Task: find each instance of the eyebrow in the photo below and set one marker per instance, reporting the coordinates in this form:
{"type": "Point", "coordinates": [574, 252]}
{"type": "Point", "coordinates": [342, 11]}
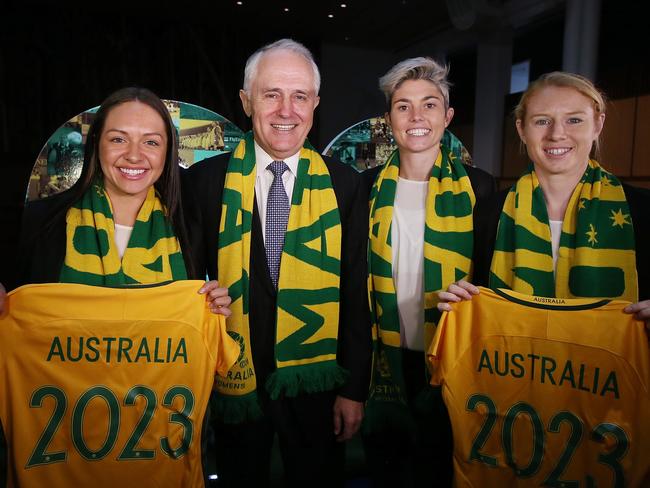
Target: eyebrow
{"type": "Point", "coordinates": [428, 97]}
{"type": "Point", "coordinates": [299, 90]}
{"type": "Point", "coordinates": [126, 133]}
{"type": "Point", "coordinates": [576, 112]}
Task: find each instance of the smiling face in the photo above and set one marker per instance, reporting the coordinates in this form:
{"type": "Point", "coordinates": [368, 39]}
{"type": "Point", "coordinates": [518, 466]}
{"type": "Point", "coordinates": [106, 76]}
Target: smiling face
{"type": "Point", "coordinates": [281, 103]}
{"type": "Point", "coordinates": [132, 149]}
{"type": "Point", "coordinates": [559, 129]}
{"type": "Point", "coordinates": [418, 117]}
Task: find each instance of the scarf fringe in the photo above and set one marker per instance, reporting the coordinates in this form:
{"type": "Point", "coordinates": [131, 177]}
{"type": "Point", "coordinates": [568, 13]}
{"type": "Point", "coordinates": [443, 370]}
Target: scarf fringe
{"type": "Point", "coordinates": [310, 378]}
{"type": "Point", "coordinates": [237, 409]}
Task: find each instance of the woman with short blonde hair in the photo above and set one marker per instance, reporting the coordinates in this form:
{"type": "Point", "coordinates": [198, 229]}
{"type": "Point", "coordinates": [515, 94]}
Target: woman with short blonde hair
{"type": "Point", "coordinates": [421, 239]}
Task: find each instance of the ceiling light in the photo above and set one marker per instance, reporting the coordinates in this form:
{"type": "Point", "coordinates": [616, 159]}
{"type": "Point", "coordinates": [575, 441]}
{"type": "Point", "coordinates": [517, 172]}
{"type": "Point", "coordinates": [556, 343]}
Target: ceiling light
{"type": "Point", "coordinates": [239, 3]}
{"type": "Point", "coordinates": [343, 5]}
{"type": "Point", "coordinates": [286, 9]}
{"type": "Point", "coordinates": [331, 16]}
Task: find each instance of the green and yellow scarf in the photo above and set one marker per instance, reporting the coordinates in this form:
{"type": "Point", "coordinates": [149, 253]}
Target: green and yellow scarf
{"type": "Point", "coordinates": [596, 257]}
{"type": "Point", "coordinates": [448, 241]}
{"type": "Point", "coordinates": [153, 254]}
{"type": "Point", "coordinates": [307, 317]}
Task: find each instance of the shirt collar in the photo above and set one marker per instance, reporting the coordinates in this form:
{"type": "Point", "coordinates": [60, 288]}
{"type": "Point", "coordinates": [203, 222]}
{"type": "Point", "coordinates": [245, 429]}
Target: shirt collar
{"type": "Point", "coordinates": [262, 160]}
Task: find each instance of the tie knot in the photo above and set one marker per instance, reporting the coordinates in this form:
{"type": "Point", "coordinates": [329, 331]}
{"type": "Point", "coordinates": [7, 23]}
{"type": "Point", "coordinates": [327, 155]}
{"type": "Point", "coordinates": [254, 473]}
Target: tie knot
{"type": "Point", "coordinates": [278, 168]}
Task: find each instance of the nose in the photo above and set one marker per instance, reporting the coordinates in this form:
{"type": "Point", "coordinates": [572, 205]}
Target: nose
{"type": "Point", "coordinates": [416, 114]}
{"type": "Point", "coordinates": [557, 131]}
{"type": "Point", "coordinates": [285, 107]}
{"type": "Point", "coordinates": [133, 154]}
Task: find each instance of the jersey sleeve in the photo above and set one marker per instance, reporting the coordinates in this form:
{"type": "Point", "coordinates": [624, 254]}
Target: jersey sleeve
{"type": "Point", "coordinates": [228, 350]}
{"type": "Point", "coordinates": [435, 350]}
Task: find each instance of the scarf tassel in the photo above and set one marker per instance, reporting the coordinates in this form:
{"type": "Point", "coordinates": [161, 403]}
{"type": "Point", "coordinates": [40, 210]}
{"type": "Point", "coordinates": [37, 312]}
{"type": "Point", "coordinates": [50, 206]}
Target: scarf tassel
{"type": "Point", "coordinates": [232, 409]}
{"type": "Point", "coordinates": [309, 378]}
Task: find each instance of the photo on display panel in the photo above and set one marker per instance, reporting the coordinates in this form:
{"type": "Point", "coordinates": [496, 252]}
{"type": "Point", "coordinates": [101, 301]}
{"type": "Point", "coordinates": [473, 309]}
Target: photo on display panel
{"type": "Point", "coordinates": [370, 143]}
{"type": "Point", "coordinates": [202, 134]}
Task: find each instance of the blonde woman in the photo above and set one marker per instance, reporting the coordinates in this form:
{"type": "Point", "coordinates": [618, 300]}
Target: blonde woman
{"type": "Point", "coordinates": [421, 239]}
{"type": "Point", "coordinates": [559, 119]}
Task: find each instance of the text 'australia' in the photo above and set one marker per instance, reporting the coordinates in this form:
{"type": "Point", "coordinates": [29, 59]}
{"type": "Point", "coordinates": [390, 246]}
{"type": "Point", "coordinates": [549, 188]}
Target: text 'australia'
{"type": "Point", "coordinates": [118, 349]}
{"type": "Point", "coordinates": [549, 370]}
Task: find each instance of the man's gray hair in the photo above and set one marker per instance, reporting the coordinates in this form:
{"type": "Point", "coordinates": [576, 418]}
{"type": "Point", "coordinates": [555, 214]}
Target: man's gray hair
{"type": "Point", "coordinates": [416, 69]}
{"type": "Point", "coordinates": [250, 71]}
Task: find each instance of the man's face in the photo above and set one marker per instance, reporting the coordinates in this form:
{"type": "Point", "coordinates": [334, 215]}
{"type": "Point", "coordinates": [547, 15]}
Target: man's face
{"type": "Point", "coordinates": [281, 103]}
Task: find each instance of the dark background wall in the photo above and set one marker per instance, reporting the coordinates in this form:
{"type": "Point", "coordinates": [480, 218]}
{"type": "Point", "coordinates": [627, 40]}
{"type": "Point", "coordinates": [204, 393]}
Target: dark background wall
{"type": "Point", "coordinates": [58, 58]}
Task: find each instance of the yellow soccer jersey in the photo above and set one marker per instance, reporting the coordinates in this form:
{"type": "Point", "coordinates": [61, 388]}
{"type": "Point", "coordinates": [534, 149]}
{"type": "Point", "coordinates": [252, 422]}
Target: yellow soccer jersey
{"type": "Point", "coordinates": [545, 391]}
{"type": "Point", "coordinates": [106, 387]}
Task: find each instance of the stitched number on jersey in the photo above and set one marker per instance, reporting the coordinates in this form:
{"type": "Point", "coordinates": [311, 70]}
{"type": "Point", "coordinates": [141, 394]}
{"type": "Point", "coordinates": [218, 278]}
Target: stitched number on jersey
{"type": "Point", "coordinates": [613, 457]}
{"type": "Point", "coordinates": [78, 422]}
{"type": "Point", "coordinates": [182, 418]}
{"type": "Point", "coordinates": [515, 411]}
{"type": "Point", "coordinates": [575, 423]}
{"type": "Point", "coordinates": [129, 451]}
{"type": "Point", "coordinates": [40, 455]}
{"type": "Point", "coordinates": [603, 433]}
{"type": "Point", "coordinates": [484, 433]}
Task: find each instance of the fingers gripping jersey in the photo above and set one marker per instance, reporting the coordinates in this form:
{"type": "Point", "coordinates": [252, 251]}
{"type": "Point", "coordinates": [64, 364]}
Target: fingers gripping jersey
{"type": "Point", "coordinates": [108, 387]}
{"type": "Point", "coordinates": [545, 391]}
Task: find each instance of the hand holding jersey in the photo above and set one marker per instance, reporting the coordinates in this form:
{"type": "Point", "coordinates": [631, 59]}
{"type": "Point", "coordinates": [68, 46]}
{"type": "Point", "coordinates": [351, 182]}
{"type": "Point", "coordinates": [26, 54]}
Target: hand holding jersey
{"type": "Point", "coordinates": [217, 297]}
{"type": "Point", "coordinates": [641, 311]}
{"type": "Point", "coordinates": [111, 384]}
{"type": "Point", "coordinates": [545, 391]}
{"type": "Point", "coordinates": [455, 292]}
{"type": "Point", "coordinates": [564, 230]}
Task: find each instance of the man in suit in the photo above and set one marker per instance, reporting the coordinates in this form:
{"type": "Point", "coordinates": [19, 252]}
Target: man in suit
{"type": "Point", "coordinates": [311, 418]}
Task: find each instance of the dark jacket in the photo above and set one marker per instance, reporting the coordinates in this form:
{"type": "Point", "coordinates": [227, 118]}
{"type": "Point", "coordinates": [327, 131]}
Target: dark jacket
{"type": "Point", "coordinates": [43, 239]}
{"type": "Point", "coordinates": [202, 193]}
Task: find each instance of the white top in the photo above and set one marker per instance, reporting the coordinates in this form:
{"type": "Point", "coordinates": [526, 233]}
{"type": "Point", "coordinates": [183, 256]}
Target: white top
{"type": "Point", "coordinates": [264, 180]}
{"type": "Point", "coordinates": [122, 236]}
{"type": "Point", "coordinates": [407, 239]}
{"type": "Point", "coordinates": [556, 232]}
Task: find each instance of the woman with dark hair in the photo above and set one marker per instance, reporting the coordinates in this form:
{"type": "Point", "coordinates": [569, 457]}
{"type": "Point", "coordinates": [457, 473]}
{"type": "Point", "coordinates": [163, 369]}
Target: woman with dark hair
{"type": "Point", "coordinates": [122, 222]}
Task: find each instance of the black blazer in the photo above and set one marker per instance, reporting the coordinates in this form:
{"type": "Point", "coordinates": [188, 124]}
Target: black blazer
{"type": "Point", "coordinates": [486, 221]}
{"type": "Point", "coordinates": [43, 240]}
{"type": "Point", "coordinates": [202, 194]}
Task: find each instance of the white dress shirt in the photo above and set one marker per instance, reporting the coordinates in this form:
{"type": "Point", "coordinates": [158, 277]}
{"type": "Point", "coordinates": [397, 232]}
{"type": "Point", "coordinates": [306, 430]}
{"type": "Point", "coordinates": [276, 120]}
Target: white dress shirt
{"type": "Point", "coordinates": [264, 180]}
{"type": "Point", "coordinates": [407, 243]}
